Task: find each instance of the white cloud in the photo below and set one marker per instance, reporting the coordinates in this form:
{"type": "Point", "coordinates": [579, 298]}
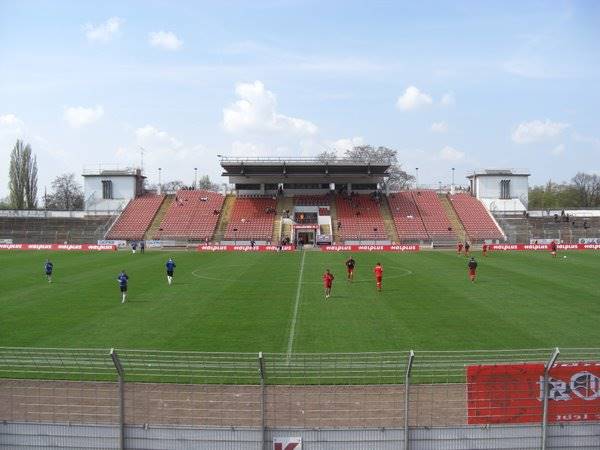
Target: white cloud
{"type": "Point", "coordinates": [155, 140]}
{"type": "Point", "coordinates": [78, 116]}
{"type": "Point", "coordinates": [256, 111]}
{"type": "Point", "coordinates": [104, 31]}
{"type": "Point", "coordinates": [558, 150]}
{"type": "Point", "coordinates": [536, 130]}
{"type": "Point", "coordinates": [413, 98]}
{"type": "Point", "coordinates": [439, 127]}
{"type": "Point", "coordinates": [11, 124]}
{"type": "Point", "coordinates": [448, 99]}
{"type": "Point", "coordinates": [341, 145]}
{"type": "Point", "coordinates": [165, 40]}
{"type": "Point", "coordinates": [450, 154]}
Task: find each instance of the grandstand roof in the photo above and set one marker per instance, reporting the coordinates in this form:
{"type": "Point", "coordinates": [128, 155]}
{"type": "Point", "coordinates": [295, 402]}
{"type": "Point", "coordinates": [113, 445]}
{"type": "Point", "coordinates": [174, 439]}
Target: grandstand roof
{"type": "Point", "coordinates": [301, 166]}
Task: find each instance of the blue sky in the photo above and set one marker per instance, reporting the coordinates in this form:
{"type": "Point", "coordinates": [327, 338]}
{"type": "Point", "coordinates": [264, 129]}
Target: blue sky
{"type": "Point", "coordinates": [448, 84]}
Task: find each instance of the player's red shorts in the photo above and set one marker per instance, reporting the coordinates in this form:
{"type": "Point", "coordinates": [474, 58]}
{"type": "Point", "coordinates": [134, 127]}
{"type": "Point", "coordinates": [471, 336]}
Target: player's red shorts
{"type": "Point", "coordinates": [327, 285]}
{"type": "Point", "coordinates": [378, 279]}
{"type": "Point", "coordinates": [472, 272]}
{"type": "Point", "coordinates": [350, 269]}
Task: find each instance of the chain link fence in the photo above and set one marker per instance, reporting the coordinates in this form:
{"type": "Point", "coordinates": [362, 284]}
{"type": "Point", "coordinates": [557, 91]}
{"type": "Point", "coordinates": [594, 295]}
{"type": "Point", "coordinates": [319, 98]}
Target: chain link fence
{"type": "Point", "coordinates": [116, 399]}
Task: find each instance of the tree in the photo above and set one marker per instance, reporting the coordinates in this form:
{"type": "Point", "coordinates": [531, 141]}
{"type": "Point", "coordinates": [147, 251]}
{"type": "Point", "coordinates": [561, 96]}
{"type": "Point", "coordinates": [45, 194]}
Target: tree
{"type": "Point", "coordinates": [22, 174]}
{"type": "Point", "coordinates": [588, 188]}
{"type": "Point", "coordinates": [398, 179]}
{"type": "Point", "coordinates": [171, 186]}
{"type": "Point", "coordinates": [205, 183]}
{"type": "Point", "coordinates": [67, 194]}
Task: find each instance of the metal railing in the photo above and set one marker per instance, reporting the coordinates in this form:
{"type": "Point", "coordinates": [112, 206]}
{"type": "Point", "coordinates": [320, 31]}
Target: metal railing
{"type": "Point", "coordinates": [408, 391]}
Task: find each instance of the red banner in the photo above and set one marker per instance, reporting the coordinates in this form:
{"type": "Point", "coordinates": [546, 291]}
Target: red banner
{"type": "Point", "coordinates": [244, 248]}
{"type": "Point", "coordinates": [370, 248]}
{"type": "Point", "coordinates": [527, 247]}
{"type": "Point", "coordinates": [61, 247]}
{"type": "Point", "coordinates": [513, 393]}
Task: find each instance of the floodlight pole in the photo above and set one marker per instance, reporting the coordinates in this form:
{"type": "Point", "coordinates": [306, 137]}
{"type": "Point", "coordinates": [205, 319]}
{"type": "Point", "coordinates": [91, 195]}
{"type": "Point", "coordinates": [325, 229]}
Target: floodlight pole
{"type": "Point", "coordinates": [121, 374]}
{"type": "Point", "coordinates": [411, 357]}
{"type": "Point", "coordinates": [547, 368]}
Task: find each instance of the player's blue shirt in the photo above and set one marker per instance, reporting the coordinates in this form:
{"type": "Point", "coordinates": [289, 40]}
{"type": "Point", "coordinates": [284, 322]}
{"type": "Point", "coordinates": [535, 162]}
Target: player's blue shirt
{"type": "Point", "coordinates": [170, 265]}
{"type": "Point", "coordinates": [122, 279]}
{"type": "Point", "coordinates": [48, 266]}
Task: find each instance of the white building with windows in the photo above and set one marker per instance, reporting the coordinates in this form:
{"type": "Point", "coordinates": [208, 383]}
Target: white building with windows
{"type": "Point", "coordinates": [110, 189]}
{"type": "Point", "coordinates": [501, 190]}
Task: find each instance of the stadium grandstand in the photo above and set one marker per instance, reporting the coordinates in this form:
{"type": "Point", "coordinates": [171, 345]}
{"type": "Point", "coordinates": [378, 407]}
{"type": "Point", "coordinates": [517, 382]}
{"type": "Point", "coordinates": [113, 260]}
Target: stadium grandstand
{"type": "Point", "coordinates": [305, 201]}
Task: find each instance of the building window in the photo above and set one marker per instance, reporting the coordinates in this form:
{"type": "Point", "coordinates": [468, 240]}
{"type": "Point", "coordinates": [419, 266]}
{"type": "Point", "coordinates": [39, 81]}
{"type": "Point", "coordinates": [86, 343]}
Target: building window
{"type": "Point", "coordinates": [505, 189]}
{"type": "Point", "coordinates": [107, 190]}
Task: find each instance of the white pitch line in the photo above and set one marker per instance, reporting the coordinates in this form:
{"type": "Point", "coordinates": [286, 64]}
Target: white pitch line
{"type": "Point", "coordinates": [296, 305]}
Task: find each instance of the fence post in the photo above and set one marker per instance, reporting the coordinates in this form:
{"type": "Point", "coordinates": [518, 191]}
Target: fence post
{"type": "Point", "coordinates": [411, 357]}
{"type": "Point", "coordinates": [261, 372]}
{"type": "Point", "coordinates": [547, 368]}
{"type": "Point", "coordinates": [121, 373]}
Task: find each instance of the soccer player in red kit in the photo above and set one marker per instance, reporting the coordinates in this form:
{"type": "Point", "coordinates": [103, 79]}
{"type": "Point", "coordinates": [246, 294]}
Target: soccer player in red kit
{"type": "Point", "coordinates": [459, 248]}
{"type": "Point", "coordinates": [378, 275]}
{"type": "Point", "coordinates": [327, 283]}
{"type": "Point", "coordinates": [553, 247]}
{"type": "Point", "coordinates": [484, 249]}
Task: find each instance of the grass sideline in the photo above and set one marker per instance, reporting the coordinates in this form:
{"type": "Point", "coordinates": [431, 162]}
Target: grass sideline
{"type": "Point", "coordinates": [244, 302]}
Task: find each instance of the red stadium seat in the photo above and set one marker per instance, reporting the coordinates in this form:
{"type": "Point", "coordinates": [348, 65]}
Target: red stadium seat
{"type": "Point", "coordinates": [250, 219]}
{"type": "Point", "coordinates": [407, 218]}
{"type": "Point", "coordinates": [475, 217]}
{"type": "Point", "coordinates": [136, 218]}
{"type": "Point", "coordinates": [360, 219]}
{"type": "Point", "coordinates": [193, 215]}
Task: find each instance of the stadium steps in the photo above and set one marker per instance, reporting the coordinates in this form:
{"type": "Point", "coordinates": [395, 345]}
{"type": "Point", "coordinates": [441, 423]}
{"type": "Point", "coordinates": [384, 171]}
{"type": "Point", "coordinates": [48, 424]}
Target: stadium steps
{"type": "Point", "coordinates": [334, 219]}
{"type": "Point", "coordinates": [388, 220]}
{"type": "Point", "coordinates": [224, 218]}
{"type": "Point", "coordinates": [283, 203]}
{"type": "Point", "coordinates": [457, 225]}
{"type": "Point", "coordinates": [516, 228]}
{"type": "Point", "coordinates": [160, 214]}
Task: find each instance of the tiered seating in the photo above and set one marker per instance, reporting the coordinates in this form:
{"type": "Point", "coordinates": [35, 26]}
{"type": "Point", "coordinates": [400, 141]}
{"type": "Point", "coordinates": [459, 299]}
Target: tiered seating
{"type": "Point", "coordinates": [474, 217]}
{"type": "Point", "coordinates": [251, 218]}
{"type": "Point", "coordinates": [434, 217]}
{"type": "Point", "coordinates": [136, 218]}
{"type": "Point", "coordinates": [45, 230]}
{"type": "Point", "coordinates": [360, 218]}
{"type": "Point", "coordinates": [311, 200]}
{"type": "Point", "coordinates": [193, 215]}
{"type": "Point", "coordinates": [407, 219]}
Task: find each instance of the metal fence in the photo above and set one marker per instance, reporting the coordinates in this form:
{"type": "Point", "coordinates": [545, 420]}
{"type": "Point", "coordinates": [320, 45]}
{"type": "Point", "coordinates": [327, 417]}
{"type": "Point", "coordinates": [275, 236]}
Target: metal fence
{"type": "Point", "coordinates": [115, 399]}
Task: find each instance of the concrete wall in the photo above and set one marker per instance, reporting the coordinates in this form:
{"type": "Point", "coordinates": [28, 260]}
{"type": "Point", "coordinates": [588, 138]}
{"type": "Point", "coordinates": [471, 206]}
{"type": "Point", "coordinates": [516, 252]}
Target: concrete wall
{"type": "Point", "coordinates": [489, 186]}
{"type": "Point", "coordinates": [123, 191]}
{"type": "Point", "coordinates": [22, 436]}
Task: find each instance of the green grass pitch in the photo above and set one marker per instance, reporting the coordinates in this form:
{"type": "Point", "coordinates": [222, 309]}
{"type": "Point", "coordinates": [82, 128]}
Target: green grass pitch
{"type": "Point", "coordinates": [246, 302]}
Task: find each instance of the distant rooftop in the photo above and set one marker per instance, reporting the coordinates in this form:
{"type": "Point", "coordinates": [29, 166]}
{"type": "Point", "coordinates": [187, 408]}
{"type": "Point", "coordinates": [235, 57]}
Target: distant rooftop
{"type": "Point", "coordinates": [495, 172]}
{"type": "Point", "coordinates": [297, 161]}
{"type": "Point", "coordinates": [109, 170]}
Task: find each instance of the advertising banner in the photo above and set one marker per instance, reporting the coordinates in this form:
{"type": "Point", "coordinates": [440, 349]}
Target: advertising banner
{"type": "Point", "coordinates": [244, 248]}
{"type": "Point", "coordinates": [59, 247]}
{"type": "Point", "coordinates": [546, 247]}
{"type": "Point", "coordinates": [370, 248]}
{"type": "Point", "coordinates": [287, 443]}
{"type": "Point", "coordinates": [118, 242]}
{"type": "Point", "coordinates": [512, 393]}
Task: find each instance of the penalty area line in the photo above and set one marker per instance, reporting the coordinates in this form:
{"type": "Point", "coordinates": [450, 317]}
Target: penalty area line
{"type": "Point", "coordinates": [295, 314]}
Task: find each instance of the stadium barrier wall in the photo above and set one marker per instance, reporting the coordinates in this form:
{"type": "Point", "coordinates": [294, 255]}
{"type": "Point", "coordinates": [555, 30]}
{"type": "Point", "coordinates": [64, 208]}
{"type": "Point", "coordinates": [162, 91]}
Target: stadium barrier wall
{"type": "Point", "coordinates": [543, 247]}
{"type": "Point", "coordinates": [519, 399]}
{"type": "Point", "coordinates": [59, 247]}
